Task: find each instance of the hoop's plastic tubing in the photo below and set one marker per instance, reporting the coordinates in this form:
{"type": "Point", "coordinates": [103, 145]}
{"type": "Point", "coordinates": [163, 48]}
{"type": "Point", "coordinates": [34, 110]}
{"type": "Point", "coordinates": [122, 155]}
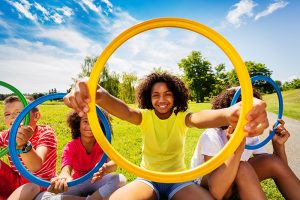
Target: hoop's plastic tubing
{"type": "Point", "coordinates": [22, 100]}
{"type": "Point", "coordinates": [230, 147]}
{"type": "Point", "coordinates": [14, 154]}
{"type": "Point", "coordinates": [280, 108]}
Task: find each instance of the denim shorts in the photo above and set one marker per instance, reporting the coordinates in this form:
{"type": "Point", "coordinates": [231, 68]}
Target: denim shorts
{"type": "Point", "coordinates": [165, 190]}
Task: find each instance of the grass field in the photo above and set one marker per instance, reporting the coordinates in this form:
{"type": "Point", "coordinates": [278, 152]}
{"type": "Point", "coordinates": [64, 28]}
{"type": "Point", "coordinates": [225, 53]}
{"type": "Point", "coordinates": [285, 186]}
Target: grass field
{"type": "Point", "coordinates": [127, 140]}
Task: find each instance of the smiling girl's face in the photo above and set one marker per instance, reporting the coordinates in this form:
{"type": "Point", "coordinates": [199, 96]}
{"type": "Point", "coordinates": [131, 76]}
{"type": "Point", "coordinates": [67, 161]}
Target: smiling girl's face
{"type": "Point", "coordinates": [162, 99]}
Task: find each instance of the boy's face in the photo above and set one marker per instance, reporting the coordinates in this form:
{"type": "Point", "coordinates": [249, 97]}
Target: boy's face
{"type": "Point", "coordinates": [11, 111]}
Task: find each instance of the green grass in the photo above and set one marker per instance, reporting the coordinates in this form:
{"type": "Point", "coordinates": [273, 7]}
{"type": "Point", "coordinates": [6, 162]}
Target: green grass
{"type": "Point", "coordinates": [291, 103]}
{"type": "Point", "coordinates": [127, 137]}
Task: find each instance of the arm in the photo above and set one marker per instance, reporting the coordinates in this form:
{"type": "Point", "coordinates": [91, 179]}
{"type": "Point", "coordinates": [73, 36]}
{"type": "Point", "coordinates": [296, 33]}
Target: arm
{"type": "Point", "coordinates": [278, 141]}
{"type": "Point", "coordinates": [79, 98]}
{"type": "Point", "coordinates": [59, 183]}
{"type": "Point", "coordinates": [221, 179]}
{"type": "Point", "coordinates": [106, 168]}
{"type": "Point", "coordinates": [35, 157]}
{"type": "Point", "coordinates": [257, 118]}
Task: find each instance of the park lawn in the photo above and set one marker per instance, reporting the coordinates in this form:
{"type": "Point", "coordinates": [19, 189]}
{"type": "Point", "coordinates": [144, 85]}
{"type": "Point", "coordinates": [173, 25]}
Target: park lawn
{"type": "Point", "coordinates": [127, 138]}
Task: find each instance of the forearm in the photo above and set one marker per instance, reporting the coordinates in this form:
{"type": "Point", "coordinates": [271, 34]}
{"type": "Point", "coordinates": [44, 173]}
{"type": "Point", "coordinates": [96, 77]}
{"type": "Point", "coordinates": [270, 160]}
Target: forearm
{"type": "Point", "coordinates": [116, 107]}
{"type": "Point", "coordinates": [32, 160]}
{"type": "Point", "coordinates": [208, 119]}
{"type": "Point", "coordinates": [66, 171]}
{"type": "Point", "coordinates": [279, 150]}
{"type": "Point", "coordinates": [221, 179]}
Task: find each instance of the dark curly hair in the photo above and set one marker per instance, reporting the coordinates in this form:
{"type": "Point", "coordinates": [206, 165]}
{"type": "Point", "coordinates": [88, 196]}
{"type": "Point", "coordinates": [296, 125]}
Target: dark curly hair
{"type": "Point", "coordinates": [178, 88]}
{"type": "Point", "coordinates": [73, 121]}
{"type": "Point", "coordinates": [224, 99]}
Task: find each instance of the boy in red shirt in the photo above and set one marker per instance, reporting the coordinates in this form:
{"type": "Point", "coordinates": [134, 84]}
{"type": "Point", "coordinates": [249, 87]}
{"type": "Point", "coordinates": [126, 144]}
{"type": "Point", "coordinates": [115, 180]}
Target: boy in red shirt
{"type": "Point", "coordinates": [39, 152]}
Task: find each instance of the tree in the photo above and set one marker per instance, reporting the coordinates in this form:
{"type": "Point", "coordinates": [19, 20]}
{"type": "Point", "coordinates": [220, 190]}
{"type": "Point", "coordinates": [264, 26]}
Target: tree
{"type": "Point", "coordinates": [253, 70]}
{"type": "Point", "coordinates": [221, 79]}
{"type": "Point", "coordinates": [108, 81]}
{"type": "Point", "coordinates": [127, 87]}
{"type": "Point", "coordinates": [198, 75]}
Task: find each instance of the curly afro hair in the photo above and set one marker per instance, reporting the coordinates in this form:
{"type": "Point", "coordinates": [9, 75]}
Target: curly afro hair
{"type": "Point", "coordinates": [178, 88]}
{"type": "Point", "coordinates": [224, 99]}
{"type": "Point", "coordinates": [73, 121]}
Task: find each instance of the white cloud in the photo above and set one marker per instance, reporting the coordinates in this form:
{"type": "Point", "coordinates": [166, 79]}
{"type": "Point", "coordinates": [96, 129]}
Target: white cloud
{"type": "Point", "coordinates": [271, 8]}
{"type": "Point", "coordinates": [66, 11]}
{"type": "Point", "coordinates": [23, 8]}
{"type": "Point", "coordinates": [38, 67]}
{"type": "Point", "coordinates": [108, 4]}
{"type": "Point", "coordinates": [71, 39]}
{"type": "Point", "coordinates": [242, 9]}
{"type": "Point", "coordinates": [90, 4]}
{"type": "Point", "coordinates": [57, 18]}
{"type": "Point", "coordinates": [41, 8]}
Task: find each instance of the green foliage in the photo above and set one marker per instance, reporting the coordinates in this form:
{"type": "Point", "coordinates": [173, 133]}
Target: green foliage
{"type": "Point", "coordinates": [126, 88]}
{"type": "Point", "coordinates": [294, 84]}
{"type": "Point", "coordinates": [198, 75]}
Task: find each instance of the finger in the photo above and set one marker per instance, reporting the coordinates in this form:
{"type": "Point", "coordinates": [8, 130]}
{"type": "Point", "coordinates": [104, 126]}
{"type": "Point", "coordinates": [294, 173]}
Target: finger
{"type": "Point", "coordinates": [260, 122]}
{"type": "Point", "coordinates": [82, 96]}
{"type": "Point", "coordinates": [259, 106]}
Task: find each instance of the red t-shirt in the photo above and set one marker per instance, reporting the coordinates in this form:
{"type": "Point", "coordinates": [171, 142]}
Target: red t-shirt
{"type": "Point", "coordinates": [42, 136]}
{"type": "Point", "coordinates": [76, 156]}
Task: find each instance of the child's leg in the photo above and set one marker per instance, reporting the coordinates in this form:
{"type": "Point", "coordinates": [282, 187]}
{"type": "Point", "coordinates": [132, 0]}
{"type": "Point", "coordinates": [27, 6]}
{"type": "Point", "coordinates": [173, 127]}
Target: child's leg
{"type": "Point", "coordinates": [269, 166]}
{"type": "Point", "coordinates": [26, 191]}
{"type": "Point", "coordinates": [193, 192]}
{"type": "Point", "coordinates": [106, 186]}
{"type": "Point", "coordinates": [136, 190]}
{"type": "Point", "coordinates": [247, 183]}
{"type": "Point", "coordinates": [10, 180]}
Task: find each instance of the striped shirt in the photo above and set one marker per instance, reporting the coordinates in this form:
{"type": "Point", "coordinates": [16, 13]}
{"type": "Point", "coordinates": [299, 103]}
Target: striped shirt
{"type": "Point", "coordinates": [42, 136]}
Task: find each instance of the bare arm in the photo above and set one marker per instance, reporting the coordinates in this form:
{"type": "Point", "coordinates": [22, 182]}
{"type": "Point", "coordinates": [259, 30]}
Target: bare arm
{"type": "Point", "coordinates": [279, 140]}
{"type": "Point", "coordinates": [33, 159]}
{"type": "Point", "coordinates": [79, 98]}
{"type": "Point", "coordinates": [221, 179]}
{"type": "Point", "coordinates": [257, 118]}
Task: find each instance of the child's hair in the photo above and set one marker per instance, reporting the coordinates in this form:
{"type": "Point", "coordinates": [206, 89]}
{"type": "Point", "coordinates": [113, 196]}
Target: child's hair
{"type": "Point", "coordinates": [73, 120]}
{"type": "Point", "coordinates": [224, 99]}
{"type": "Point", "coordinates": [178, 88]}
{"type": "Point", "coordinates": [12, 99]}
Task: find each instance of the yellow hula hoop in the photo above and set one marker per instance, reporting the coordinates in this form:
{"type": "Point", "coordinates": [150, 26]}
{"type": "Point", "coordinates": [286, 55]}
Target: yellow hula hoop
{"type": "Point", "coordinates": [230, 147]}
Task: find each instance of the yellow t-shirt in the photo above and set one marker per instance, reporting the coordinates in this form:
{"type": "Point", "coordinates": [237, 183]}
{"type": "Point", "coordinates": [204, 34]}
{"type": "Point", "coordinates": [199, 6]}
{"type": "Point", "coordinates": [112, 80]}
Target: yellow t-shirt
{"type": "Point", "coordinates": [163, 141]}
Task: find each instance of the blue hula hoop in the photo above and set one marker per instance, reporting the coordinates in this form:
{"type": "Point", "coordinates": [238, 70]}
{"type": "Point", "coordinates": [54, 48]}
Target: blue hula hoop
{"type": "Point", "coordinates": [14, 154]}
{"type": "Point", "coordinates": [280, 108]}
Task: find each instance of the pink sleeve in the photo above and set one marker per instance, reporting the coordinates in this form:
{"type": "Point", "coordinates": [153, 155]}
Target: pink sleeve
{"type": "Point", "coordinates": [67, 157]}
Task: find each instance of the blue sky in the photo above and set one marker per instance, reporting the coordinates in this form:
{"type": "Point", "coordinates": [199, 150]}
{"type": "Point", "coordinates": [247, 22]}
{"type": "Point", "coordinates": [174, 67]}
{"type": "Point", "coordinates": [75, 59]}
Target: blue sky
{"type": "Point", "coordinates": [44, 43]}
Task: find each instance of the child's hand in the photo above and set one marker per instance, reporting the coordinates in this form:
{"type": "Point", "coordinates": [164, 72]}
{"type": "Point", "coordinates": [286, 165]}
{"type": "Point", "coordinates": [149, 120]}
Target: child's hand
{"type": "Point", "coordinates": [23, 135]}
{"type": "Point", "coordinates": [79, 97]}
{"type": "Point", "coordinates": [101, 172]}
{"type": "Point", "coordinates": [257, 117]}
{"type": "Point", "coordinates": [59, 184]}
{"type": "Point", "coordinates": [281, 134]}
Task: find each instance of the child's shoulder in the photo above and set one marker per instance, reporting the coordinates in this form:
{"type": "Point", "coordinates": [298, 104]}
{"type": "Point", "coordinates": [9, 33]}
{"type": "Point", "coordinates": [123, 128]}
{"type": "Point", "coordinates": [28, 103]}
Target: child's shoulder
{"type": "Point", "coordinates": [212, 134]}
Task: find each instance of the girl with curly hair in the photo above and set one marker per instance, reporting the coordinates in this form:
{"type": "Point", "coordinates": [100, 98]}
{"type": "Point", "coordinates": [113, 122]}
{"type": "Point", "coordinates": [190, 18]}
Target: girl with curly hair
{"type": "Point", "coordinates": [242, 172]}
{"type": "Point", "coordinates": [164, 120]}
{"type": "Point", "coordinates": [79, 157]}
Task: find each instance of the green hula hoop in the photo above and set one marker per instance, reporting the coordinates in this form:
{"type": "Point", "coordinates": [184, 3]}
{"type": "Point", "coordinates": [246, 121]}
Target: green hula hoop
{"type": "Point", "coordinates": [23, 101]}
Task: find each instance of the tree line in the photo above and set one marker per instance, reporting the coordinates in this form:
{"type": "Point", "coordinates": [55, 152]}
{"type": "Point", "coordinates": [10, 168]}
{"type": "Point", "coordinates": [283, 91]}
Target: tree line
{"type": "Point", "coordinates": [203, 80]}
